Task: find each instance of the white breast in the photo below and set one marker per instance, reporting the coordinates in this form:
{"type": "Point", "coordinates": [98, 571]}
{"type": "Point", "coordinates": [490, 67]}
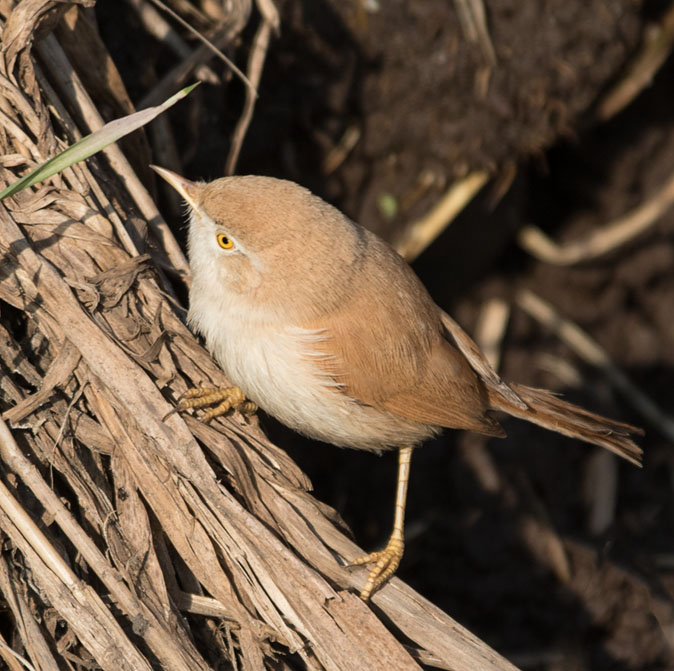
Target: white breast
{"type": "Point", "coordinates": [275, 366]}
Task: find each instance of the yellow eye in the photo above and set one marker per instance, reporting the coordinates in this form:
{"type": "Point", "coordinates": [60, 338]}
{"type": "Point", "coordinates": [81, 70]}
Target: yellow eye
{"type": "Point", "coordinates": [224, 241]}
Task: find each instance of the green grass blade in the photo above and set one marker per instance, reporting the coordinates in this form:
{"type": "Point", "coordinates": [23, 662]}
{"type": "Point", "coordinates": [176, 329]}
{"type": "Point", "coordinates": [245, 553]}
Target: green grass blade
{"type": "Point", "coordinates": [93, 143]}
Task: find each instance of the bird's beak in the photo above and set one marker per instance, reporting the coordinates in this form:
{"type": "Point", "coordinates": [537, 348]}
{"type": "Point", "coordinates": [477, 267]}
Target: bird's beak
{"type": "Point", "coordinates": [188, 190]}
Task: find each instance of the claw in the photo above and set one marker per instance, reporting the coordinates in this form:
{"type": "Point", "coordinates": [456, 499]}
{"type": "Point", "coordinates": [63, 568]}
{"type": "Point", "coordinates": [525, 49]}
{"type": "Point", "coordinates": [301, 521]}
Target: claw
{"type": "Point", "coordinates": [226, 399]}
{"type": "Point", "coordinates": [385, 562]}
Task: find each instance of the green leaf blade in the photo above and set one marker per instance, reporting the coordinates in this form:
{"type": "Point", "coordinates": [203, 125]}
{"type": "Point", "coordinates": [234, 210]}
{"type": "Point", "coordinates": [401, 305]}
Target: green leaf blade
{"type": "Point", "coordinates": [93, 143]}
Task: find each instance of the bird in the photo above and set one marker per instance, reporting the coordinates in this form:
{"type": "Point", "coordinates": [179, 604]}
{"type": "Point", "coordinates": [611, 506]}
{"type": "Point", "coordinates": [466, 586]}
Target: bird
{"type": "Point", "coordinates": [323, 325]}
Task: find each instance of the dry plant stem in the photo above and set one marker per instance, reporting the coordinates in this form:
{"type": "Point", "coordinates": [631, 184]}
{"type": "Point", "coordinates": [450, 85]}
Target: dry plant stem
{"type": "Point", "coordinates": [417, 618]}
{"type": "Point", "coordinates": [29, 630]}
{"type": "Point", "coordinates": [256, 60]}
{"type": "Point", "coordinates": [539, 534]}
{"type": "Point", "coordinates": [269, 13]}
{"type": "Point", "coordinates": [14, 661]}
{"type": "Point", "coordinates": [595, 355]}
{"type": "Point", "coordinates": [155, 25]}
{"type": "Point", "coordinates": [606, 239]}
{"type": "Point", "coordinates": [103, 201]}
{"type": "Point", "coordinates": [208, 44]}
{"type": "Point", "coordinates": [338, 154]}
{"type": "Point", "coordinates": [201, 605]}
{"type": "Point", "coordinates": [56, 61]}
{"type": "Point", "coordinates": [601, 486]}
{"type": "Point", "coordinates": [425, 657]}
{"type": "Point", "coordinates": [657, 46]}
{"type": "Point", "coordinates": [168, 649]}
{"type": "Point", "coordinates": [107, 362]}
{"type": "Point", "coordinates": [193, 13]}
{"type": "Point", "coordinates": [85, 612]}
{"type": "Point", "coordinates": [17, 134]}
{"type": "Point", "coordinates": [420, 234]}
{"type": "Point", "coordinates": [32, 533]}
{"type": "Point", "coordinates": [184, 530]}
{"type": "Point", "coordinates": [490, 329]}
{"type": "Point", "coordinates": [565, 371]}
{"type": "Point", "coordinates": [214, 9]}
{"type": "Point", "coordinates": [474, 24]}
{"type": "Point", "coordinates": [176, 77]}
{"type": "Point", "coordinates": [78, 604]}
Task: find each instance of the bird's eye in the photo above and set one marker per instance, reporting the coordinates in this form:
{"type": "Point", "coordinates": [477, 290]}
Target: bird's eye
{"type": "Point", "coordinates": [224, 241]}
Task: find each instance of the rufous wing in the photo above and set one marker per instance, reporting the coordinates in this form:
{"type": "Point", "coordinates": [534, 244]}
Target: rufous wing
{"type": "Point", "coordinates": [395, 358]}
{"type": "Point", "coordinates": [448, 394]}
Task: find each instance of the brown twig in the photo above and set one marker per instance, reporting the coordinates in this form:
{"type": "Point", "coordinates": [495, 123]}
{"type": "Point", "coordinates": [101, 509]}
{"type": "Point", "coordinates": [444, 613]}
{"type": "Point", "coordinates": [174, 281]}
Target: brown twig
{"type": "Point", "coordinates": [601, 491]}
{"type": "Point", "coordinates": [55, 59]}
{"type": "Point", "coordinates": [594, 354]}
{"type": "Point", "coordinates": [490, 329]}
{"type": "Point", "coordinates": [338, 154]}
{"type": "Point", "coordinates": [473, 19]}
{"type": "Point", "coordinates": [421, 233]}
{"type": "Point", "coordinates": [258, 53]}
{"type": "Point", "coordinates": [657, 46]}
{"type": "Point", "coordinates": [208, 44]}
{"type": "Point", "coordinates": [97, 626]}
{"type": "Point", "coordinates": [539, 534]}
{"type": "Point", "coordinates": [155, 25]}
{"type": "Point", "coordinates": [14, 661]}
{"type": "Point", "coordinates": [166, 648]}
{"type": "Point", "coordinates": [606, 239]}
{"type": "Point", "coordinates": [177, 76]}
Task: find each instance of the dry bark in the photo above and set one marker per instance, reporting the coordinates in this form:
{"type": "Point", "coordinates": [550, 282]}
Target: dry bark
{"type": "Point", "coordinates": [148, 540]}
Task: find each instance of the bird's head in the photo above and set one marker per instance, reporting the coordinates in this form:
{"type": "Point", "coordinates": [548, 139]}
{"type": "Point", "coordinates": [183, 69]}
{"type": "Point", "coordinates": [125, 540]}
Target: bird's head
{"type": "Point", "coordinates": [265, 238]}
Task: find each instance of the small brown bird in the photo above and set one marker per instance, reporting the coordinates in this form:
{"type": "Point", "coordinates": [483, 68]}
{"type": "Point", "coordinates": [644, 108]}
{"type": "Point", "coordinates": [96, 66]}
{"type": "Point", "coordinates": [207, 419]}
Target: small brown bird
{"type": "Point", "coordinates": [324, 326]}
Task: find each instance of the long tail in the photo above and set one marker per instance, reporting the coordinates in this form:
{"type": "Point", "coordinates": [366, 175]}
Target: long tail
{"type": "Point", "coordinates": [549, 411]}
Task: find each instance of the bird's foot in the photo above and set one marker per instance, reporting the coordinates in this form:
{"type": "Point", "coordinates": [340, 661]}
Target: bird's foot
{"type": "Point", "coordinates": [385, 564]}
{"type": "Point", "coordinates": [224, 399]}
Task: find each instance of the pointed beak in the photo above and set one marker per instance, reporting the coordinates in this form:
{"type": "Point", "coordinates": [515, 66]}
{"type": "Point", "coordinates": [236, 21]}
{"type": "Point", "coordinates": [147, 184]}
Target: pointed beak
{"type": "Point", "coordinates": [188, 190]}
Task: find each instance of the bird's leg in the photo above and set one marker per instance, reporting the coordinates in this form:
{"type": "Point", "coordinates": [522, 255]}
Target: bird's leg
{"type": "Point", "coordinates": [226, 398]}
{"type": "Point", "coordinates": [386, 561]}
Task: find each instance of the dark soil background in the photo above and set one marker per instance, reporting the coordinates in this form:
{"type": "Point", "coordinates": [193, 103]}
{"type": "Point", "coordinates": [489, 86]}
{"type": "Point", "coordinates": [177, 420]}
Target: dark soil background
{"type": "Point", "coordinates": [500, 533]}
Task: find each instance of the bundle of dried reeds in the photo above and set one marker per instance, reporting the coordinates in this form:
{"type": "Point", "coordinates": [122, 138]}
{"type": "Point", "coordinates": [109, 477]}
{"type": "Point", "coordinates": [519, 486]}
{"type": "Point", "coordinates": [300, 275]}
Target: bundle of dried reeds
{"type": "Point", "coordinates": [131, 541]}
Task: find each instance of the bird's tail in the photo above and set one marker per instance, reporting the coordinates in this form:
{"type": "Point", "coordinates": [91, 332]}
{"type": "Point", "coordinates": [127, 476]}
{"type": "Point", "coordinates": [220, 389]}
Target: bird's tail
{"type": "Point", "coordinates": [548, 410]}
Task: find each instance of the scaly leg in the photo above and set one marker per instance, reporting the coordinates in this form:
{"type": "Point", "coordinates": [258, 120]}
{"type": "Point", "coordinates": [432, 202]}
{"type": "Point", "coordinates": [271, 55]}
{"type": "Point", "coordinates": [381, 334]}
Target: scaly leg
{"type": "Point", "coordinates": [226, 399]}
{"type": "Point", "coordinates": [387, 560]}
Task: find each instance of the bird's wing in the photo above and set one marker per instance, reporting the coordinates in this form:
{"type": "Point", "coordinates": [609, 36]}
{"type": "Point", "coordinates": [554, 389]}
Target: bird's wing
{"type": "Point", "coordinates": [479, 362]}
{"type": "Point", "coordinates": [387, 349]}
{"type": "Point", "coordinates": [447, 394]}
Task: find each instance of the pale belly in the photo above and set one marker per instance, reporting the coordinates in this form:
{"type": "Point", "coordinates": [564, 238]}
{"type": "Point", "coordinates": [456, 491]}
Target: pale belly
{"type": "Point", "coordinates": [275, 370]}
